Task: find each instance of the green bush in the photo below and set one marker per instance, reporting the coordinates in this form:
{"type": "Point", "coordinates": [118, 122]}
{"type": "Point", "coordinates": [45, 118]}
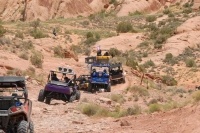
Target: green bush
{"type": "Point", "coordinates": [124, 27]}
{"type": "Point", "coordinates": [117, 98]}
{"type": "Point", "coordinates": [135, 13]}
{"type": "Point", "coordinates": [144, 44]}
{"type": "Point", "coordinates": [114, 52]}
{"type": "Point", "coordinates": [148, 64]}
{"type": "Point", "coordinates": [38, 34]}
{"type": "Point", "coordinates": [166, 11]}
{"type": "Point", "coordinates": [135, 110]}
{"type": "Point", "coordinates": [19, 35]}
{"type": "Point", "coordinates": [151, 18]}
{"type": "Point", "coordinates": [190, 63]}
{"type": "Point", "coordinates": [154, 108]}
{"type": "Point", "coordinates": [58, 51]}
{"type": "Point", "coordinates": [35, 24]}
{"type": "Point", "coordinates": [37, 59]}
{"type": "Point", "coordinates": [132, 63]}
{"type": "Point", "coordinates": [168, 80]}
{"type": "Point", "coordinates": [26, 45]}
{"type": "Point", "coordinates": [170, 59]}
{"type": "Point", "coordinates": [187, 10]}
{"type": "Point", "coordinates": [89, 35]}
{"type": "Point", "coordinates": [24, 56]}
{"type": "Point", "coordinates": [2, 31]}
{"type": "Point", "coordinates": [138, 89]}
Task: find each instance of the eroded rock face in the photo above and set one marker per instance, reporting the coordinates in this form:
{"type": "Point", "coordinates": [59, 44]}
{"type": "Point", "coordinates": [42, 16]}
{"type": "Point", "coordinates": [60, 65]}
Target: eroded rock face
{"type": "Point", "coordinates": [48, 9]}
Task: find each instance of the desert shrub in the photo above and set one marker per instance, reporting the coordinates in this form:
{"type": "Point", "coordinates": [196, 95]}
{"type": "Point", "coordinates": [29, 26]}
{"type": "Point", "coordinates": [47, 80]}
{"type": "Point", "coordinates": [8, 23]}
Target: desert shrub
{"type": "Point", "coordinates": [24, 56]}
{"type": "Point", "coordinates": [58, 51]}
{"type": "Point", "coordinates": [152, 27]}
{"type": "Point", "coordinates": [117, 98]}
{"type": "Point", "coordinates": [92, 109]}
{"type": "Point", "coordinates": [170, 15]}
{"type": "Point", "coordinates": [158, 45]}
{"type": "Point", "coordinates": [187, 10]}
{"type": "Point", "coordinates": [90, 41]}
{"type": "Point", "coordinates": [170, 59]}
{"type": "Point", "coordinates": [148, 64]}
{"type": "Point", "coordinates": [144, 54]}
{"type": "Point", "coordinates": [186, 5]}
{"type": "Point", "coordinates": [92, 38]}
{"type": "Point", "coordinates": [38, 34]}
{"type": "Point", "coordinates": [138, 89]}
{"type": "Point", "coordinates": [151, 18]}
{"type": "Point", "coordinates": [89, 35]}
{"type": "Point", "coordinates": [35, 24]}
{"type": "Point", "coordinates": [134, 13]}
{"type": "Point", "coordinates": [19, 35]}
{"type": "Point", "coordinates": [2, 31]}
{"type": "Point", "coordinates": [5, 40]}
{"type": "Point", "coordinates": [168, 80]}
{"type": "Point", "coordinates": [190, 63]}
{"type": "Point", "coordinates": [154, 108]}
{"type": "Point", "coordinates": [170, 105]}
{"type": "Point", "coordinates": [26, 45]}
{"type": "Point", "coordinates": [144, 44]}
{"type": "Point", "coordinates": [196, 96]}
{"type": "Point", "coordinates": [161, 23]}
{"type": "Point", "coordinates": [85, 23]}
{"type": "Point", "coordinates": [131, 63]}
{"type": "Point", "coordinates": [37, 59]}
{"type": "Point", "coordinates": [135, 110]}
{"type": "Point", "coordinates": [124, 27]}
{"type": "Point", "coordinates": [77, 49]}
{"type": "Point", "coordinates": [114, 52]}
{"type": "Point", "coordinates": [152, 101]}
{"type": "Point", "coordinates": [166, 11]}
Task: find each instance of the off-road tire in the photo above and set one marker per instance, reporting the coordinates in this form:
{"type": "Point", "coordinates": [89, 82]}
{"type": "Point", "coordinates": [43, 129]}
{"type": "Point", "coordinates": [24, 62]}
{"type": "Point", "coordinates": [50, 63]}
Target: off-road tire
{"type": "Point", "coordinates": [89, 87]}
{"type": "Point", "coordinates": [41, 96]}
{"type": "Point", "coordinates": [72, 97]}
{"type": "Point", "coordinates": [48, 100]}
{"type": "Point", "coordinates": [78, 94]}
{"type": "Point", "coordinates": [31, 126]}
{"type": "Point", "coordinates": [23, 127]}
{"type": "Point", "coordinates": [108, 88]}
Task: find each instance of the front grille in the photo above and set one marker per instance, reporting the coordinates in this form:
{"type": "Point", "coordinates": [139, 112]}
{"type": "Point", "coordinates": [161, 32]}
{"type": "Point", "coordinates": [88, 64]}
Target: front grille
{"type": "Point", "coordinates": [5, 104]}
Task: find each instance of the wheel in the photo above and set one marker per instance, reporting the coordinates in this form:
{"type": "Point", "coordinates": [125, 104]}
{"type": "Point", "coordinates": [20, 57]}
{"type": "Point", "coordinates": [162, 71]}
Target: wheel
{"type": "Point", "coordinates": [89, 87]}
{"type": "Point", "coordinates": [23, 127]}
{"type": "Point", "coordinates": [72, 97]}
{"type": "Point", "coordinates": [41, 96]}
{"type": "Point", "coordinates": [48, 100]}
{"type": "Point", "coordinates": [31, 126]}
{"type": "Point", "coordinates": [78, 94]}
{"type": "Point", "coordinates": [108, 88]}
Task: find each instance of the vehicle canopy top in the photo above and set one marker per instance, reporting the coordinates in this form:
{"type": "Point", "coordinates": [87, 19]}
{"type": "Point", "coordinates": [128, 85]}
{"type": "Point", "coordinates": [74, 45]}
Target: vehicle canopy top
{"type": "Point", "coordinates": [12, 81]}
{"type": "Point", "coordinates": [63, 72]}
{"type": "Point", "coordinates": [100, 65]}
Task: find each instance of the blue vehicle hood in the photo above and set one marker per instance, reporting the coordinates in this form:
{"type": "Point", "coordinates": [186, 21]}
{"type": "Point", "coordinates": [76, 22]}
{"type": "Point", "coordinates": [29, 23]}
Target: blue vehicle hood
{"type": "Point", "coordinates": [100, 80]}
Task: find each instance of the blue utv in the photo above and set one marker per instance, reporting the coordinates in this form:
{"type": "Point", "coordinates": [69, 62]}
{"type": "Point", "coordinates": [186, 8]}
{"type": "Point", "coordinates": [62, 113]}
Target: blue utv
{"type": "Point", "coordinates": [100, 77]}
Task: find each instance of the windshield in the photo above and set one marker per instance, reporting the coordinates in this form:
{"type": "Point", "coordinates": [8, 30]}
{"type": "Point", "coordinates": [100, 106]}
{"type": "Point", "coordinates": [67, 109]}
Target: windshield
{"type": "Point", "coordinates": [9, 91]}
{"type": "Point", "coordinates": [99, 69]}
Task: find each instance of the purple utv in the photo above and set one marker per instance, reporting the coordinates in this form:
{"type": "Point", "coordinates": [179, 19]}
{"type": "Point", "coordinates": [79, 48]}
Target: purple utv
{"type": "Point", "coordinates": [61, 85]}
